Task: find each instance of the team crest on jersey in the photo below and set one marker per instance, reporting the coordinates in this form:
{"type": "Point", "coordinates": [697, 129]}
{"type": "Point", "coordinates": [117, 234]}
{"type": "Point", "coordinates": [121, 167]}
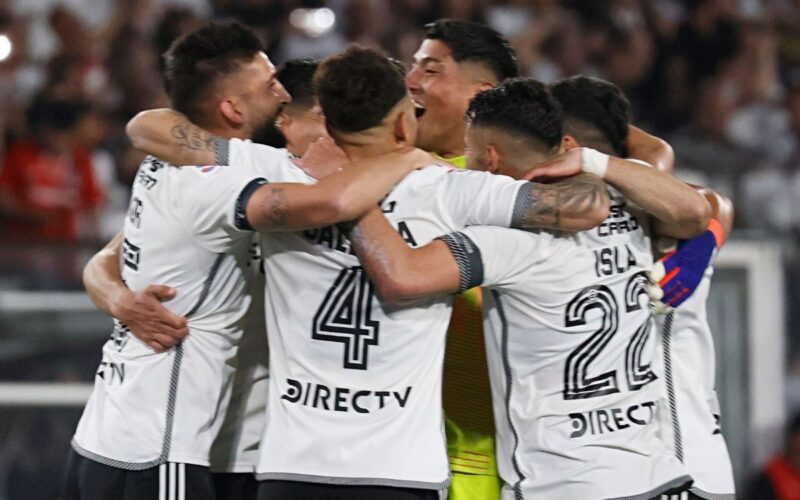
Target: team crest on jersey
{"type": "Point", "coordinates": [207, 169]}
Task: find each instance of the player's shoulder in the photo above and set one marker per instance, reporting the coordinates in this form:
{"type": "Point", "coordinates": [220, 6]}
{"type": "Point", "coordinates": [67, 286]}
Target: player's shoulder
{"type": "Point", "coordinates": [505, 235]}
{"type": "Point", "coordinates": [245, 149]}
{"type": "Point", "coordinates": [442, 174]}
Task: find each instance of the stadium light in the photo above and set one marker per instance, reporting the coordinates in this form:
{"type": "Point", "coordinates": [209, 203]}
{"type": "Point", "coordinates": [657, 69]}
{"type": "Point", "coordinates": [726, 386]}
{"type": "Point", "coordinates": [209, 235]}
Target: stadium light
{"type": "Point", "coordinates": [5, 47]}
{"type": "Point", "coordinates": [313, 22]}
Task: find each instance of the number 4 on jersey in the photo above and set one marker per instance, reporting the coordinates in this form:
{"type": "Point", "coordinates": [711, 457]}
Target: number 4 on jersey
{"type": "Point", "coordinates": [345, 316]}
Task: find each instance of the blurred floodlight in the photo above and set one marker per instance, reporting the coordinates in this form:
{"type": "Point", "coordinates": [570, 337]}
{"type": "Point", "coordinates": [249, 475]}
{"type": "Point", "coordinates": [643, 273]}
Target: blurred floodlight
{"type": "Point", "coordinates": [314, 22]}
{"type": "Point", "coordinates": [5, 47]}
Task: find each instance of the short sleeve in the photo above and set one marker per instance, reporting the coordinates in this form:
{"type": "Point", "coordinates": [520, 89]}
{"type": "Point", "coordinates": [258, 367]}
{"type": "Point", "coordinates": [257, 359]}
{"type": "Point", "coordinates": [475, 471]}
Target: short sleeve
{"type": "Point", "coordinates": [480, 198]}
{"type": "Point", "coordinates": [214, 204]}
{"type": "Point", "coordinates": [494, 256]}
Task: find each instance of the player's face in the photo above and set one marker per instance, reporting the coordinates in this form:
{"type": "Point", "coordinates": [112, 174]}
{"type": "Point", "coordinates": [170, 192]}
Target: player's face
{"type": "Point", "coordinates": [261, 93]}
{"type": "Point", "coordinates": [439, 85]}
{"type": "Point", "coordinates": [301, 127]}
{"type": "Point", "coordinates": [410, 121]}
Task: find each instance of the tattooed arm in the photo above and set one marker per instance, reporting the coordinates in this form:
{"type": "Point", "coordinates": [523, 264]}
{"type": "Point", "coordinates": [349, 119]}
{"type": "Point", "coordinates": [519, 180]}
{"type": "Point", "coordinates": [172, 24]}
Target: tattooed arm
{"type": "Point", "coordinates": [573, 204]}
{"type": "Point", "coordinates": [402, 274]}
{"type": "Point", "coordinates": [170, 136]}
{"type": "Point", "coordinates": [678, 209]}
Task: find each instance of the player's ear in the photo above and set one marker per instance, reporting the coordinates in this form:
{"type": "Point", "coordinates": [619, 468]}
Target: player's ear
{"type": "Point", "coordinates": [492, 159]}
{"type": "Point", "coordinates": [485, 85]}
{"type": "Point", "coordinates": [231, 111]}
{"type": "Point", "coordinates": [402, 127]}
{"type": "Point", "coordinates": [568, 142]}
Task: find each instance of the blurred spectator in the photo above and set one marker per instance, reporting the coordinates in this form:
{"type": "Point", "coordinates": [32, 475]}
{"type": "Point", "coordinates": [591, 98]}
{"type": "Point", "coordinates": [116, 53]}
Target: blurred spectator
{"type": "Point", "coordinates": [780, 479]}
{"type": "Point", "coordinates": [49, 191]}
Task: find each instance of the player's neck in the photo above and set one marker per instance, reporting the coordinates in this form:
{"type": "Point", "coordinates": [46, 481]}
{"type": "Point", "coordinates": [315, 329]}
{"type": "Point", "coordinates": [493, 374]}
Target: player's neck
{"type": "Point", "coordinates": [357, 149]}
{"type": "Point", "coordinates": [227, 131]}
{"type": "Point", "coordinates": [451, 148]}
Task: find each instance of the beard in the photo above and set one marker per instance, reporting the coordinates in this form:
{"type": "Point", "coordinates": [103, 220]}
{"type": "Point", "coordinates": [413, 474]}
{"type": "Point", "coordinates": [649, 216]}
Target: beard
{"type": "Point", "coordinates": [269, 134]}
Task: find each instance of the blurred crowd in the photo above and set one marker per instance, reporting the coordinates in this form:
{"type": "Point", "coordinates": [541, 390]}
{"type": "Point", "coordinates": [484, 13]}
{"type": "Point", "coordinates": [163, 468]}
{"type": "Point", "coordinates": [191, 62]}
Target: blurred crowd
{"type": "Point", "coordinates": [720, 79]}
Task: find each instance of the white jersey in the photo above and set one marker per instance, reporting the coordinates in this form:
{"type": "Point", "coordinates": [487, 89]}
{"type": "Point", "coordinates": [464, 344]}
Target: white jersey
{"type": "Point", "coordinates": [355, 385]}
{"type": "Point", "coordinates": [691, 424]}
{"type": "Point", "coordinates": [146, 407]}
{"type": "Point", "coordinates": [235, 448]}
{"type": "Point", "coordinates": [570, 341]}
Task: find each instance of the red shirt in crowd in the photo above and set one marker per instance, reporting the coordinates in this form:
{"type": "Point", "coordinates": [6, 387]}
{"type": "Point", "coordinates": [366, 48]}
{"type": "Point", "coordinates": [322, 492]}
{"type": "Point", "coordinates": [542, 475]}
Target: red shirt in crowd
{"type": "Point", "coordinates": [49, 192]}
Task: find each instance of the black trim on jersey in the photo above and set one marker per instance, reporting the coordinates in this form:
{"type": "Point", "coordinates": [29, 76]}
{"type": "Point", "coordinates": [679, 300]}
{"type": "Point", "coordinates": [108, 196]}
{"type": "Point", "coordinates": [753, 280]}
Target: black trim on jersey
{"type": "Point", "coordinates": [222, 151]}
{"type": "Point", "coordinates": [240, 210]}
{"type": "Point", "coordinates": [176, 364]}
{"type": "Point", "coordinates": [353, 481]}
{"type": "Point", "coordinates": [509, 385]}
{"type": "Point", "coordinates": [521, 205]}
{"type": "Point", "coordinates": [681, 483]}
{"type": "Point", "coordinates": [698, 493]}
{"type": "Point", "coordinates": [666, 337]}
{"type": "Point", "coordinates": [468, 258]}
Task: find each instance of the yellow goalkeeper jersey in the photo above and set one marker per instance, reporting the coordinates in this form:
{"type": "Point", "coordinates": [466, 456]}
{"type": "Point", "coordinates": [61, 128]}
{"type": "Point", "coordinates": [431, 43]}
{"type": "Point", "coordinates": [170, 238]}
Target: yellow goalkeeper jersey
{"type": "Point", "coordinates": [467, 398]}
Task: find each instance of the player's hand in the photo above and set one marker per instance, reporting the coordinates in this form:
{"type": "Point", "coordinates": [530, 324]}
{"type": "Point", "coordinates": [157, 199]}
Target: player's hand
{"type": "Point", "coordinates": [151, 322]}
{"type": "Point", "coordinates": [680, 272]}
{"type": "Point", "coordinates": [323, 158]}
{"type": "Point", "coordinates": [564, 165]}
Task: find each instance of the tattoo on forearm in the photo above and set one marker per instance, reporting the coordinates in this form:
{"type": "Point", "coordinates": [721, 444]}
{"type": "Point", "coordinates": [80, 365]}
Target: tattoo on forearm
{"type": "Point", "coordinates": [190, 138]}
{"type": "Point", "coordinates": [276, 208]}
{"type": "Point", "coordinates": [544, 205]}
{"type": "Point", "coordinates": [370, 253]}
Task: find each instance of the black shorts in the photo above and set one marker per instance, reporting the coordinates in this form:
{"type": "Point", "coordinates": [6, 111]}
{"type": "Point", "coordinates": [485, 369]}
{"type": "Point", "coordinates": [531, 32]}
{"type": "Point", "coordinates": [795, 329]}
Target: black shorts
{"type": "Point", "coordinates": [235, 486]}
{"type": "Point", "coordinates": [294, 490]}
{"type": "Point", "coordinates": [90, 480]}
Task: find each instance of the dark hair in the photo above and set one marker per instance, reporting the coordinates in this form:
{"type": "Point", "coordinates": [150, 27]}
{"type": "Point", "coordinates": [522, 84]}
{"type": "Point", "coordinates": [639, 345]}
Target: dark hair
{"type": "Point", "coordinates": [476, 43]}
{"type": "Point", "coordinates": [595, 113]}
{"type": "Point", "coordinates": [358, 87]}
{"type": "Point", "coordinates": [195, 62]}
{"type": "Point", "coordinates": [522, 107]}
{"type": "Point", "coordinates": [297, 77]}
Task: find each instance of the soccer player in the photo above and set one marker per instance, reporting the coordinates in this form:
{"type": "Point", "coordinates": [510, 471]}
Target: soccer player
{"type": "Point", "coordinates": [457, 60]}
{"type": "Point", "coordinates": [148, 428]}
{"type": "Point", "coordinates": [570, 335]}
{"type": "Point", "coordinates": [594, 116]}
{"type": "Point", "coordinates": [301, 121]}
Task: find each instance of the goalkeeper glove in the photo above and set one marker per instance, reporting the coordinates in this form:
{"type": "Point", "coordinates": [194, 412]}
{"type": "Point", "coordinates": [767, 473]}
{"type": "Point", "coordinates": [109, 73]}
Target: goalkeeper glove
{"type": "Point", "coordinates": [680, 272]}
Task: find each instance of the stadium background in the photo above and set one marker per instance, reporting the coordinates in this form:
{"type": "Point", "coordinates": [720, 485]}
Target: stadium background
{"type": "Point", "coordinates": [719, 79]}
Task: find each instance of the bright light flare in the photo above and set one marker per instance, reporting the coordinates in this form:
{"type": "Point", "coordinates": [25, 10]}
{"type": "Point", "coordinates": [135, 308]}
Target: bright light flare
{"type": "Point", "coordinates": [5, 47]}
{"type": "Point", "coordinates": [314, 22]}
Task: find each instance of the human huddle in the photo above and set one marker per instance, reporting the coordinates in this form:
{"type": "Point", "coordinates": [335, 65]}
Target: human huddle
{"type": "Point", "coordinates": [283, 315]}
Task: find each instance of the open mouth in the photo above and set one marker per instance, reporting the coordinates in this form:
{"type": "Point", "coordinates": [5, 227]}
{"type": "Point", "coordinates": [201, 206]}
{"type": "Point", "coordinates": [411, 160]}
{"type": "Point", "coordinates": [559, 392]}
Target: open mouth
{"type": "Point", "coordinates": [419, 109]}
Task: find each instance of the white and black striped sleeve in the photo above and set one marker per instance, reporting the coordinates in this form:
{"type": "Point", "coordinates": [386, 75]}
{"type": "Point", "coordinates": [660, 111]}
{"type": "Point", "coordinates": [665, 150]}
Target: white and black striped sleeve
{"type": "Point", "coordinates": [468, 257]}
{"type": "Point", "coordinates": [505, 254]}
